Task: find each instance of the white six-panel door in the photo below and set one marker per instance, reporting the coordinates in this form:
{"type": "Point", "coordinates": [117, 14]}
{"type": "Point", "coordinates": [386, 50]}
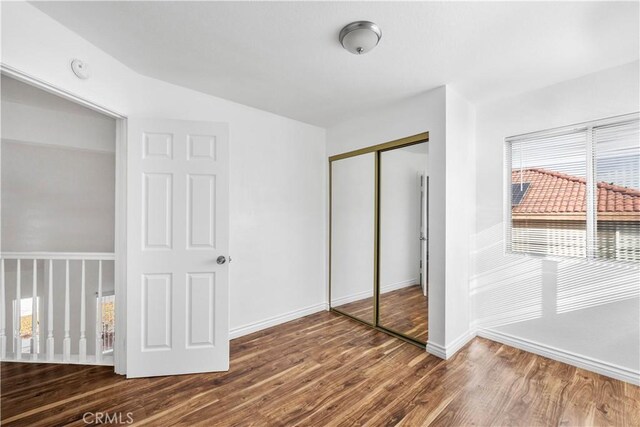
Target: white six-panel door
{"type": "Point", "coordinates": [177, 228]}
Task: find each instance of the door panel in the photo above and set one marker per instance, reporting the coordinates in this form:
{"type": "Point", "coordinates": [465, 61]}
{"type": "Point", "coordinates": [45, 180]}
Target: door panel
{"type": "Point", "coordinates": [201, 220]}
{"type": "Point", "coordinates": [178, 219]}
{"type": "Point", "coordinates": [156, 220]}
{"type": "Point", "coordinates": [352, 236]}
{"type": "Point", "coordinates": [402, 306]}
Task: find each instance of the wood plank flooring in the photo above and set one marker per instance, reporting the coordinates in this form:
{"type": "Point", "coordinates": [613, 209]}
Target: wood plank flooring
{"type": "Point", "coordinates": [328, 370]}
{"type": "Point", "coordinates": [361, 309]}
{"type": "Point", "coordinates": [403, 310]}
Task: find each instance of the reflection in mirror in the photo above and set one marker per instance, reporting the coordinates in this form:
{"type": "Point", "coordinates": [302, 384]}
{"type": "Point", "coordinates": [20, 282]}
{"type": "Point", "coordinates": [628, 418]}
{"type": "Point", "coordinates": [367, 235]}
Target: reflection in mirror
{"type": "Point", "coordinates": [403, 241]}
{"type": "Point", "coordinates": [352, 235]}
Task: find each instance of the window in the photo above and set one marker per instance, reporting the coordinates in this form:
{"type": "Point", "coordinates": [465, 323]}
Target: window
{"type": "Point", "coordinates": [26, 328]}
{"type": "Point", "coordinates": [107, 323]}
{"type": "Point", "coordinates": [575, 191]}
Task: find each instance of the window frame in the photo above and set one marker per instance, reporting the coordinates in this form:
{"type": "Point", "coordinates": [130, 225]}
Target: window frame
{"type": "Point", "coordinates": [98, 302]}
{"type": "Point", "coordinates": [17, 309]}
{"type": "Point", "coordinates": [591, 193]}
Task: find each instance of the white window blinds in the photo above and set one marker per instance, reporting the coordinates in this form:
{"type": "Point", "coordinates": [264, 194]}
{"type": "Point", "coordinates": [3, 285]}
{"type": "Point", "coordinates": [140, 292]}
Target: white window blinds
{"type": "Point", "coordinates": [617, 173]}
{"type": "Point", "coordinates": [574, 192]}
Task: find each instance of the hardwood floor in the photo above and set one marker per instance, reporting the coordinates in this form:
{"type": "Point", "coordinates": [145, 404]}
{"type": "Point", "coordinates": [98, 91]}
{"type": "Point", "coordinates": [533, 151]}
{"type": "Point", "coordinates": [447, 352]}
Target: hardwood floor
{"type": "Point", "coordinates": [327, 370]}
{"type": "Point", "coordinates": [361, 309]}
{"type": "Point", "coordinates": [403, 310]}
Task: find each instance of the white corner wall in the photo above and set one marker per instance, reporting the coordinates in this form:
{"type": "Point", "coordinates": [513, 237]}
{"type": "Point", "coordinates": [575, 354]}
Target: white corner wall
{"type": "Point", "coordinates": [277, 167]}
{"type": "Point", "coordinates": [425, 112]}
{"type": "Point", "coordinates": [460, 214]}
{"type": "Point", "coordinates": [587, 314]}
{"type": "Point", "coordinates": [450, 121]}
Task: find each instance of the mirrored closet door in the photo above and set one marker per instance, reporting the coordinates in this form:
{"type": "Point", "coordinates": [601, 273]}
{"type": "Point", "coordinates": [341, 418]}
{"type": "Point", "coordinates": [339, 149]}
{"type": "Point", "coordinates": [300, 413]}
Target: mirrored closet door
{"type": "Point", "coordinates": [403, 217]}
{"type": "Point", "coordinates": [379, 236]}
{"type": "Point", "coordinates": [352, 236]}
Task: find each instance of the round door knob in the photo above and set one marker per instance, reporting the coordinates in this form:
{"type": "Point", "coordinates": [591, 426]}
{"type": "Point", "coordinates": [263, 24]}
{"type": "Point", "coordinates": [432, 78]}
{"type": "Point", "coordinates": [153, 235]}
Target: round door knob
{"type": "Point", "coordinates": [221, 260]}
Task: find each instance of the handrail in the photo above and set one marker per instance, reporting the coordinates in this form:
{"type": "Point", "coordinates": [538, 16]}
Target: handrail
{"type": "Point", "coordinates": [88, 256]}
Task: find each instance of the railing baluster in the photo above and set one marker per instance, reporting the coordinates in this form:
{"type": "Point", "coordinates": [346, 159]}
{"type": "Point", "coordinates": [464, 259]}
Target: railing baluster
{"type": "Point", "coordinates": [17, 318]}
{"type": "Point", "coordinates": [99, 329]}
{"type": "Point", "coordinates": [34, 312]}
{"type": "Point", "coordinates": [82, 345]}
{"type": "Point", "coordinates": [3, 314]}
{"type": "Point", "coordinates": [66, 343]}
{"type": "Point", "coordinates": [50, 341]}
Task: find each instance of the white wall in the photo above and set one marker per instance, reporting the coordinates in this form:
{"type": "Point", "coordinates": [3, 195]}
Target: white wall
{"type": "Point", "coordinates": [57, 184]}
{"type": "Point", "coordinates": [60, 122]}
{"type": "Point", "coordinates": [590, 310]}
{"type": "Point", "coordinates": [460, 215]}
{"type": "Point", "coordinates": [277, 166]}
{"type": "Point", "coordinates": [56, 199]}
{"type": "Point", "coordinates": [57, 173]}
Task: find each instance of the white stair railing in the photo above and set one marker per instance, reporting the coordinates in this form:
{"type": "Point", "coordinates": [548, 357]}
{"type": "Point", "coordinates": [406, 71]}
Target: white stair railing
{"type": "Point", "coordinates": [52, 291]}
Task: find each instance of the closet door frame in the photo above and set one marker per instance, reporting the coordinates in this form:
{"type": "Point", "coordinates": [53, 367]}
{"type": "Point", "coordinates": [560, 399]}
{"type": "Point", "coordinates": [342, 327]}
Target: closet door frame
{"type": "Point", "coordinates": [377, 149]}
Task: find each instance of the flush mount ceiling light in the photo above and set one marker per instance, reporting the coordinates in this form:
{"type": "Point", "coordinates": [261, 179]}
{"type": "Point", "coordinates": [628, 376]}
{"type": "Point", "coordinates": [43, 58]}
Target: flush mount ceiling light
{"type": "Point", "coordinates": [360, 37]}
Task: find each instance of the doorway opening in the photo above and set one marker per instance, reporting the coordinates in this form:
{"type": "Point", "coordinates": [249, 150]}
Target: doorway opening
{"type": "Point", "coordinates": [58, 224]}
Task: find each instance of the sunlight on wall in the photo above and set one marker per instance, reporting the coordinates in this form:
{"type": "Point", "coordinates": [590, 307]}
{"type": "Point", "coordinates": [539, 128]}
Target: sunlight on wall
{"type": "Point", "coordinates": [582, 285]}
{"type": "Point", "coordinates": [505, 289]}
{"type": "Point", "coordinates": [509, 289]}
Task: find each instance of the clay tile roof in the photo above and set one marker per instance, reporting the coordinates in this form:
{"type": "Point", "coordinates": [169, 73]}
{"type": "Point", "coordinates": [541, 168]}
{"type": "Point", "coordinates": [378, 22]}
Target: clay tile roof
{"type": "Point", "coordinates": [558, 193]}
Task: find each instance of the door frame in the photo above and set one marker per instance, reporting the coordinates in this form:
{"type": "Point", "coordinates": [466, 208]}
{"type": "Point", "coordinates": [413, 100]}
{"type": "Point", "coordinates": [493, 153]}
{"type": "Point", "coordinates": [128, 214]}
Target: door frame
{"type": "Point", "coordinates": [120, 226]}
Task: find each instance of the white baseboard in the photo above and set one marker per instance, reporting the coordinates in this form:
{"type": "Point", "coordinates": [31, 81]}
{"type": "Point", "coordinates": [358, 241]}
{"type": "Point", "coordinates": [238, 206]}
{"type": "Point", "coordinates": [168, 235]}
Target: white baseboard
{"type": "Point", "coordinates": [436, 349]}
{"type": "Point", "coordinates": [451, 349]}
{"type": "Point", "coordinates": [336, 302]}
{"type": "Point", "coordinates": [398, 285]}
{"type": "Point", "coordinates": [276, 320]}
{"type": "Point", "coordinates": [584, 362]}
{"type": "Point", "coordinates": [369, 293]}
{"type": "Point", "coordinates": [74, 359]}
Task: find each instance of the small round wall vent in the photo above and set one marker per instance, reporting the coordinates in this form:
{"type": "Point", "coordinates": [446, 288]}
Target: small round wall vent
{"type": "Point", "coordinates": [80, 69]}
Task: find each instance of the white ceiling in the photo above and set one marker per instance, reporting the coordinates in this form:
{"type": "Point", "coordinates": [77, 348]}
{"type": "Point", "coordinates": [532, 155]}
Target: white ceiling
{"type": "Point", "coordinates": [284, 57]}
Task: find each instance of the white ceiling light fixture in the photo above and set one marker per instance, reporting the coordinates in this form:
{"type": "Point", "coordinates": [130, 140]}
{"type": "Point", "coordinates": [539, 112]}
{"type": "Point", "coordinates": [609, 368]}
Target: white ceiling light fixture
{"type": "Point", "coordinates": [360, 37]}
